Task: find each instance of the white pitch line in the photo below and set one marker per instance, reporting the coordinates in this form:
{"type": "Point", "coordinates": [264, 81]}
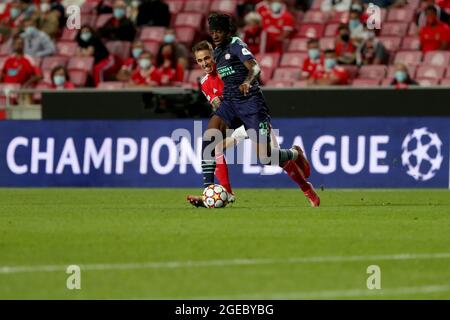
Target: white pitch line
{"type": "Point", "coordinates": [223, 263]}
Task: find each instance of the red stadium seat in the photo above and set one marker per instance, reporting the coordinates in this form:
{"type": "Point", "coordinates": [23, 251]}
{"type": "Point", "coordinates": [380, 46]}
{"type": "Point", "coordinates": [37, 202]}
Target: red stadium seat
{"type": "Point", "coordinates": [366, 82]}
{"type": "Point", "coordinates": [287, 74]}
{"type": "Point", "coordinates": [293, 60]}
{"type": "Point", "coordinates": [201, 6]}
{"type": "Point", "coordinates": [102, 20]}
{"type": "Point", "coordinates": [152, 34]}
{"type": "Point", "coordinates": [298, 45]}
{"type": "Point", "coordinates": [78, 77]}
{"type": "Point", "coordinates": [5, 49]}
{"type": "Point", "coordinates": [40, 86]}
{"type": "Point", "coordinates": [65, 48]}
{"type": "Point", "coordinates": [185, 35]}
{"type": "Point", "coordinates": [268, 60]}
{"type": "Point", "coordinates": [398, 29]}
{"type": "Point", "coordinates": [175, 6]}
{"type": "Point", "coordinates": [327, 43]}
{"type": "Point", "coordinates": [331, 30]}
{"type": "Point", "coordinates": [427, 82]}
{"type": "Point", "coordinates": [413, 4]}
{"type": "Point", "coordinates": [447, 74]}
{"type": "Point", "coordinates": [432, 72]}
{"type": "Point", "coordinates": [315, 16]}
{"type": "Point", "coordinates": [316, 4]}
{"type": "Point", "coordinates": [391, 43]}
{"type": "Point", "coordinates": [88, 7]}
{"type": "Point", "coordinates": [195, 76]}
{"type": "Point", "coordinates": [300, 84]}
{"type": "Point", "coordinates": [437, 58]}
{"type": "Point", "coordinates": [411, 71]}
{"type": "Point", "coordinates": [310, 30]}
{"type": "Point", "coordinates": [89, 19]}
{"type": "Point", "coordinates": [2, 61]}
{"type": "Point", "coordinates": [151, 47]}
{"type": "Point", "coordinates": [266, 74]}
{"type": "Point", "coordinates": [445, 82]}
{"type": "Point", "coordinates": [47, 75]}
{"type": "Point", "coordinates": [372, 72]}
{"type": "Point", "coordinates": [228, 6]}
{"type": "Point", "coordinates": [69, 35]}
{"type": "Point", "coordinates": [400, 15]}
{"type": "Point", "coordinates": [410, 43]}
{"type": "Point", "coordinates": [119, 49]}
{"type": "Point", "coordinates": [340, 17]}
{"type": "Point", "coordinates": [53, 61]}
{"type": "Point", "coordinates": [279, 84]}
{"type": "Point", "coordinates": [413, 30]}
{"type": "Point", "coordinates": [81, 63]}
{"type": "Point", "coordinates": [189, 19]}
{"type": "Point", "coordinates": [408, 57]}
{"type": "Point", "coordinates": [387, 82]}
{"type": "Point", "coordinates": [111, 85]}
{"type": "Point", "coordinates": [352, 71]}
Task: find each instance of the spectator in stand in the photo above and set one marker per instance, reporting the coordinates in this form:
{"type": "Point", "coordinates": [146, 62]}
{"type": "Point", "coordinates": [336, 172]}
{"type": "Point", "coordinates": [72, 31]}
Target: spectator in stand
{"type": "Point", "coordinates": [421, 19]}
{"type": "Point", "coordinates": [355, 26]}
{"type": "Point", "coordinates": [402, 79]}
{"type": "Point", "coordinates": [90, 45]}
{"type": "Point", "coordinates": [278, 25]}
{"type": "Point", "coordinates": [11, 21]}
{"type": "Point", "coordinates": [435, 35]}
{"type": "Point", "coordinates": [263, 8]}
{"type": "Point", "coordinates": [344, 47]}
{"type": "Point", "coordinates": [60, 78]}
{"type": "Point", "coordinates": [133, 10]}
{"type": "Point", "coordinates": [380, 3]}
{"type": "Point", "coordinates": [119, 27]}
{"type": "Point", "coordinates": [37, 43]}
{"type": "Point", "coordinates": [171, 72]}
{"type": "Point", "coordinates": [145, 73]}
{"type": "Point", "coordinates": [252, 32]}
{"type": "Point", "coordinates": [20, 68]}
{"type": "Point", "coordinates": [181, 52]}
{"type": "Point", "coordinates": [335, 5]}
{"type": "Point", "coordinates": [124, 74]}
{"type": "Point", "coordinates": [47, 19]}
{"type": "Point", "coordinates": [330, 73]}
{"type": "Point", "coordinates": [372, 51]}
{"type": "Point", "coordinates": [153, 13]}
{"type": "Point", "coordinates": [314, 59]}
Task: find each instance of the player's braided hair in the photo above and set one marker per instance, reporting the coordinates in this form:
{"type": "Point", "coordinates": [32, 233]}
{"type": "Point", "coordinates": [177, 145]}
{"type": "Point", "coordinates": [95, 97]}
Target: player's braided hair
{"type": "Point", "coordinates": [222, 22]}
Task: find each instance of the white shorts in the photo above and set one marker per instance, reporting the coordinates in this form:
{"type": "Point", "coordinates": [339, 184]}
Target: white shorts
{"type": "Point", "coordinates": [239, 134]}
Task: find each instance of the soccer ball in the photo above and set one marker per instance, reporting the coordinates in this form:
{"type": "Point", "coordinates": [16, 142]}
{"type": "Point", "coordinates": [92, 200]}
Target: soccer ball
{"type": "Point", "coordinates": [215, 196]}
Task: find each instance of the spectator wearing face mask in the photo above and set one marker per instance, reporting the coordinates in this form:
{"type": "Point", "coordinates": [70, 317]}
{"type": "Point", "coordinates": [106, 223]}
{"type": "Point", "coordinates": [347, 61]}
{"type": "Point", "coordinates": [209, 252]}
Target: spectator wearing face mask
{"type": "Point", "coordinates": [19, 67]}
{"type": "Point", "coordinates": [441, 14]}
{"type": "Point", "coordinates": [277, 27]}
{"type": "Point", "coordinates": [119, 27]}
{"type": "Point", "coordinates": [344, 47]}
{"type": "Point", "coordinates": [153, 13]}
{"type": "Point", "coordinates": [145, 73]}
{"type": "Point", "coordinates": [133, 10]}
{"type": "Point", "coordinates": [252, 32]}
{"type": "Point", "coordinates": [90, 45]}
{"type": "Point", "coordinates": [60, 78]}
{"type": "Point", "coordinates": [124, 74]}
{"type": "Point", "coordinates": [372, 51]}
{"type": "Point", "coordinates": [37, 43]}
{"type": "Point", "coordinates": [181, 53]}
{"type": "Point", "coordinates": [330, 73]}
{"type": "Point", "coordinates": [314, 59]}
{"type": "Point", "coordinates": [12, 19]}
{"type": "Point", "coordinates": [435, 35]}
{"type": "Point", "coordinates": [46, 19]}
{"type": "Point", "coordinates": [335, 5]}
{"type": "Point", "coordinates": [171, 72]}
{"type": "Point", "coordinates": [402, 79]}
{"type": "Point", "coordinates": [355, 26]}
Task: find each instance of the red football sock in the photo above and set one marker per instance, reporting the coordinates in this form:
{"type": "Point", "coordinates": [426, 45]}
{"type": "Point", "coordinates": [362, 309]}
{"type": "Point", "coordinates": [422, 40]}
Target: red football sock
{"type": "Point", "coordinates": [291, 168]}
{"type": "Point", "coordinates": [222, 172]}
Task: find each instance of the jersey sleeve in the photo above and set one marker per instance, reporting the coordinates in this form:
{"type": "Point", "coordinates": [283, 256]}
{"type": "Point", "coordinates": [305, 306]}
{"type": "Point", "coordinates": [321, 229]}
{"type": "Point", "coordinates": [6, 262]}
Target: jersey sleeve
{"type": "Point", "coordinates": [240, 49]}
{"type": "Point", "coordinates": [207, 89]}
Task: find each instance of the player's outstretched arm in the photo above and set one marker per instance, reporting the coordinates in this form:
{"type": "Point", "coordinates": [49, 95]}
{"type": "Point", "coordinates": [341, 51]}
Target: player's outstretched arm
{"type": "Point", "coordinates": [253, 72]}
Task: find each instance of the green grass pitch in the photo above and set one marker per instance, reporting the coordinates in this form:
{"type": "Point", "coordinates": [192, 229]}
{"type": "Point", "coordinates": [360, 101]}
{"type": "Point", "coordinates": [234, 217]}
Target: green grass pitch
{"type": "Point", "coordinates": [150, 244]}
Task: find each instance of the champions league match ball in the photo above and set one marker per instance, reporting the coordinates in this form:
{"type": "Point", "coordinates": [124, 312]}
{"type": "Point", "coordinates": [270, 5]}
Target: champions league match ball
{"type": "Point", "coordinates": [215, 196]}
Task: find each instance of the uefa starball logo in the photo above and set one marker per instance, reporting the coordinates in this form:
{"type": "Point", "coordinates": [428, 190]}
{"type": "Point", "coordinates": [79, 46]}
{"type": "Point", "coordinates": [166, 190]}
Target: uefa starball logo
{"type": "Point", "coordinates": [422, 154]}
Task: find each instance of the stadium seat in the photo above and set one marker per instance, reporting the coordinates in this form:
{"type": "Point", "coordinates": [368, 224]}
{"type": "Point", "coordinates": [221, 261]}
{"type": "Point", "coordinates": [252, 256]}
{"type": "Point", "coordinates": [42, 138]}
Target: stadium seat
{"type": "Point", "coordinates": [411, 71]}
{"type": "Point", "coordinates": [316, 4]}
{"type": "Point", "coordinates": [413, 4]}
{"type": "Point", "coordinates": [339, 17]}
{"type": "Point", "coordinates": [268, 60]}
{"type": "Point", "coordinates": [310, 30]}
{"type": "Point", "coordinates": [201, 6]}
{"type": "Point", "coordinates": [228, 6]}
{"type": "Point", "coordinates": [391, 43]}
{"type": "Point", "coordinates": [5, 49]}
{"type": "Point", "coordinates": [300, 84]}
{"type": "Point", "coordinates": [195, 76]}
{"type": "Point", "coordinates": [69, 35]}
{"type": "Point", "coordinates": [372, 72]}
{"type": "Point", "coordinates": [151, 47]}
{"type": "Point", "coordinates": [37, 96]}
{"type": "Point", "coordinates": [298, 45]}
{"type": "Point", "coordinates": [189, 19]}
{"type": "Point", "coordinates": [445, 82]}
{"type": "Point", "coordinates": [53, 61]}
{"type": "Point", "coordinates": [102, 20]}
{"type": "Point", "coordinates": [327, 43]}
{"type": "Point", "coordinates": [111, 85]}
{"type": "Point", "coordinates": [398, 29]}
{"type": "Point", "coordinates": [266, 74]}
{"type": "Point", "coordinates": [185, 35]}
{"type": "Point", "coordinates": [152, 34]}
{"type": "Point", "coordinates": [413, 30]}
{"type": "Point", "coordinates": [410, 43]}
{"type": "Point", "coordinates": [437, 58]}
{"type": "Point", "coordinates": [386, 82]}
{"type": "Point", "coordinates": [2, 61]}
{"type": "Point", "coordinates": [89, 19]}
{"type": "Point", "coordinates": [400, 15]}
{"type": "Point", "coordinates": [447, 74]}
{"type": "Point", "coordinates": [427, 82]}
{"type": "Point", "coordinates": [88, 7]}
{"type": "Point", "coordinates": [78, 77]}
{"type": "Point", "coordinates": [81, 63]}
{"type": "Point", "coordinates": [279, 84]}
{"type": "Point", "coordinates": [287, 74]}
{"type": "Point", "coordinates": [68, 49]}
{"type": "Point", "coordinates": [175, 6]}
{"type": "Point", "coordinates": [293, 59]}
{"type": "Point", "coordinates": [352, 71]}
{"type": "Point", "coordinates": [119, 49]}
{"type": "Point", "coordinates": [432, 72]}
{"type": "Point", "coordinates": [408, 57]}
{"type": "Point", "coordinates": [315, 16]}
{"type": "Point", "coordinates": [366, 82]}
{"type": "Point", "coordinates": [331, 29]}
